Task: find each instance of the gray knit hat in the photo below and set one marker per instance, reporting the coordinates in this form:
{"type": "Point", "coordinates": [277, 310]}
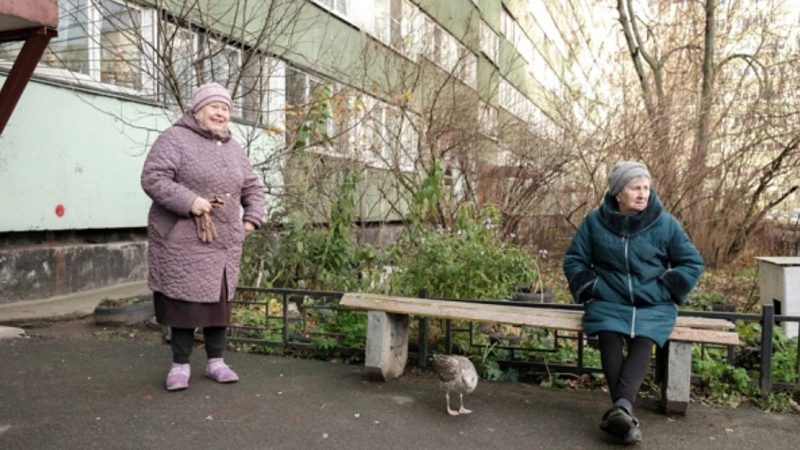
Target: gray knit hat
{"type": "Point", "coordinates": [623, 172]}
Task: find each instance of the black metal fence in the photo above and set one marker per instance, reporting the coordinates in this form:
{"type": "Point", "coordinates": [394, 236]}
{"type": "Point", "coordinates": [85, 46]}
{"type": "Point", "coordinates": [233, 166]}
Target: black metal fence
{"type": "Point", "coordinates": [303, 300]}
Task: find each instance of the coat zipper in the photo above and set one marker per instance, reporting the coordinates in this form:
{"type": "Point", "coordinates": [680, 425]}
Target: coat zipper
{"type": "Point", "coordinates": [630, 286]}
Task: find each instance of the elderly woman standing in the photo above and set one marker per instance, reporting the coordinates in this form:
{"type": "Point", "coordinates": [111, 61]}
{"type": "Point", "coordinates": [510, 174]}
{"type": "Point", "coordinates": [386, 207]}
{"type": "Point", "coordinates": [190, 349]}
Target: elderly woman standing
{"type": "Point", "coordinates": [199, 179]}
{"type": "Point", "coordinates": [630, 264]}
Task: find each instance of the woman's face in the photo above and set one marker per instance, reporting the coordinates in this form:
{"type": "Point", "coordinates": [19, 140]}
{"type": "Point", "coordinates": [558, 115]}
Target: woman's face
{"type": "Point", "coordinates": [214, 117]}
{"type": "Point", "coordinates": [633, 197]}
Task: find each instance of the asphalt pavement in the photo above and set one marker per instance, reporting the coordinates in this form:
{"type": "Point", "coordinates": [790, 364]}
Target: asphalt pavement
{"type": "Point", "coordinates": [69, 384]}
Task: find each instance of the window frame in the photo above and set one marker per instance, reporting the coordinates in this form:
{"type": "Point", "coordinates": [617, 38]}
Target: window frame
{"type": "Point", "coordinates": [93, 13]}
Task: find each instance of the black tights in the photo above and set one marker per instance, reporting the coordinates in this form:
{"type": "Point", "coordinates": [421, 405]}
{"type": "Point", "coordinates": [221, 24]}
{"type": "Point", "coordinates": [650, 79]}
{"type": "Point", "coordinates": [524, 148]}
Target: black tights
{"type": "Point", "coordinates": [624, 373]}
{"type": "Point", "coordinates": [182, 343]}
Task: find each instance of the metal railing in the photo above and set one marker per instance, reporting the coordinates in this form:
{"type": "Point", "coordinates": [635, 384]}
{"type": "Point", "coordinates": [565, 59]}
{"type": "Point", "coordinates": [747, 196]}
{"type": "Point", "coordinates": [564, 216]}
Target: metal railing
{"type": "Point", "coordinates": [329, 300]}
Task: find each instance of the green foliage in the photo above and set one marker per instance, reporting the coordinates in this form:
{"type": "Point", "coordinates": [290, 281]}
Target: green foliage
{"type": "Point", "coordinates": [784, 351]}
{"type": "Point", "coordinates": [469, 261]}
{"type": "Point", "coordinates": [350, 327]}
{"type": "Point", "coordinates": [784, 357]}
{"type": "Point", "coordinates": [324, 346]}
{"type": "Point", "coordinates": [704, 300]}
{"type": "Point", "coordinates": [779, 402]}
{"type": "Point", "coordinates": [313, 257]}
{"type": "Point", "coordinates": [423, 208]}
{"type": "Point", "coordinates": [724, 383]}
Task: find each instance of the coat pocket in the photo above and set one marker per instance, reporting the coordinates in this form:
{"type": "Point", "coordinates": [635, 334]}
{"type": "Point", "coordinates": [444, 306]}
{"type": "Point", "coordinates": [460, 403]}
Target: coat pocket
{"type": "Point", "coordinates": [183, 230]}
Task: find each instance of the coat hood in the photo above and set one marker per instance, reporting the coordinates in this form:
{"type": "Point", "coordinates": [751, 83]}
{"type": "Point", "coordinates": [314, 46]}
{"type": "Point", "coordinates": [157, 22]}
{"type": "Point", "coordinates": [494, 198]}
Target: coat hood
{"type": "Point", "coordinates": [629, 225]}
{"type": "Point", "coordinates": [188, 121]}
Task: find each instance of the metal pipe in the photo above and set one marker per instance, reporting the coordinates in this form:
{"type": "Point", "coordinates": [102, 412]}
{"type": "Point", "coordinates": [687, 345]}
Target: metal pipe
{"type": "Point", "coordinates": [767, 323]}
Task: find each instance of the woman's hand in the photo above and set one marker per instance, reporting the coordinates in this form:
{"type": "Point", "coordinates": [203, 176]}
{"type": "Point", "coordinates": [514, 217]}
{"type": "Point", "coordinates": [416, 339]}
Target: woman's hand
{"type": "Point", "coordinates": [200, 206]}
{"type": "Point", "coordinates": [248, 228]}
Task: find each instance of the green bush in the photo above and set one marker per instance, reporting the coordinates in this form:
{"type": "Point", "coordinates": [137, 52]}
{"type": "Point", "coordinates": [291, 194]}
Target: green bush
{"type": "Point", "coordinates": [309, 256]}
{"type": "Point", "coordinates": [469, 261]}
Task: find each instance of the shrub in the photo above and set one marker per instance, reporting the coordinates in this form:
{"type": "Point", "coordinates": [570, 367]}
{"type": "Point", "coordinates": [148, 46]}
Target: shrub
{"type": "Point", "coordinates": [469, 261]}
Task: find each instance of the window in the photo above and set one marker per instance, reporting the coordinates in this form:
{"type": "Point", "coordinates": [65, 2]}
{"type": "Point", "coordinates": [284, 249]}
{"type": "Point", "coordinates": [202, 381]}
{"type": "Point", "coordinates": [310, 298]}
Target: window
{"type": "Point", "coordinates": [382, 20]}
{"type": "Point", "coordinates": [441, 47]}
{"type": "Point", "coordinates": [395, 24]}
{"type": "Point", "coordinates": [392, 19]}
{"type": "Point", "coordinates": [179, 50]}
{"type": "Point", "coordinates": [468, 66]}
{"type": "Point", "coordinates": [515, 101]}
{"type": "Point", "coordinates": [379, 135]}
{"type": "Point", "coordinates": [490, 42]}
{"type": "Point", "coordinates": [488, 119]}
{"type": "Point", "coordinates": [70, 50]}
{"type": "Point", "coordinates": [306, 99]}
{"type": "Point", "coordinates": [222, 64]}
{"type": "Point", "coordinates": [338, 6]}
{"type": "Point", "coordinates": [401, 149]}
{"type": "Point", "coordinates": [255, 88]}
{"type": "Point", "coordinates": [99, 41]}
{"type": "Point", "coordinates": [120, 57]}
{"type": "Point", "coordinates": [377, 154]}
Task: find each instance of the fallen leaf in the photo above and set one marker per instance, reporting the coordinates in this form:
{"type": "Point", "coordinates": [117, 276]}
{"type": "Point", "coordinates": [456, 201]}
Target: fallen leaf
{"type": "Point", "coordinates": [147, 397]}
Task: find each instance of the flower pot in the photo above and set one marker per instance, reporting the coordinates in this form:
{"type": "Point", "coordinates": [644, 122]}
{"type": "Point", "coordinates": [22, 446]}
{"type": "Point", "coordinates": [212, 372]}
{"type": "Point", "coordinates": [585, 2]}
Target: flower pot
{"type": "Point", "coordinates": [125, 311]}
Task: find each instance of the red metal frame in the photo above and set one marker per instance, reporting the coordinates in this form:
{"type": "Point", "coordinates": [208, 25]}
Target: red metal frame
{"type": "Point", "coordinates": [36, 40]}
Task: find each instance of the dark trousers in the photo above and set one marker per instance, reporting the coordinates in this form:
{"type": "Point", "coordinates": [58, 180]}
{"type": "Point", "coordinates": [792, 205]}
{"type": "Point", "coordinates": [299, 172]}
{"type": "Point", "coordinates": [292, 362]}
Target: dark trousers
{"type": "Point", "coordinates": [624, 372]}
{"type": "Point", "coordinates": [182, 343]}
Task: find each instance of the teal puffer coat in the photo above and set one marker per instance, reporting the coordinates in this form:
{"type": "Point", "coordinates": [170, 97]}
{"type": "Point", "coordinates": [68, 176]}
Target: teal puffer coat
{"type": "Point", "coordinates": [630, 272]}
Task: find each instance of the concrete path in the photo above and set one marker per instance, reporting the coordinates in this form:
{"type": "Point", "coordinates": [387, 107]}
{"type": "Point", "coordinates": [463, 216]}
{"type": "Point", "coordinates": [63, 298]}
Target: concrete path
{"type": "Point", "coordinates": [75, 386]}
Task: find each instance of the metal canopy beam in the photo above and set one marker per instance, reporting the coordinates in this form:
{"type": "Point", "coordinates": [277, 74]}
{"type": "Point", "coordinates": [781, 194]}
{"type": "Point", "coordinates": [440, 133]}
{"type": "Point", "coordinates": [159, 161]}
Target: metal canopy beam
{"type": "Point", "coordinates": [36, 40]}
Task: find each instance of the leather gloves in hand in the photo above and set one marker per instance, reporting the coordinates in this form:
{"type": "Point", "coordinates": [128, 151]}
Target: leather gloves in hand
{"type": "Point", "coordinates": [206, 231]}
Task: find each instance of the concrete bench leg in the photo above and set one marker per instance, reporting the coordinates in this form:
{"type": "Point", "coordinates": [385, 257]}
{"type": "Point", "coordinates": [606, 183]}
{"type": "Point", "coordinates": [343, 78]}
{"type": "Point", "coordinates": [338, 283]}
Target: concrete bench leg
{"type": "Point", "coordinates": [677, 377]}
{"type": "Point", "coordinates": [387, 345]}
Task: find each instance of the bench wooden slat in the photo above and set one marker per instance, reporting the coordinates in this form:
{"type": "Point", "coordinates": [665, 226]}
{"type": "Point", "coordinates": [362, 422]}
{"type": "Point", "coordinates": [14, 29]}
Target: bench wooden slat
{"type": "Point", "coordinates": [705, 323]}
{"type": "Point", "coordinates": [478, 312]}
{"type": "Point", "coordinates": [717, 337]}
{"type": "Point", "coordinates": [692, 329]}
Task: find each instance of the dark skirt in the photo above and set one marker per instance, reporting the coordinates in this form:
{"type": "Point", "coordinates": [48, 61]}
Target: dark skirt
{"type": "Point", "coordinates": [177, 313]}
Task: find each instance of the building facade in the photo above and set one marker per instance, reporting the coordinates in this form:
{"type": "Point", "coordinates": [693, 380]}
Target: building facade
{"type": "Point", "coordinates": [383, 87]}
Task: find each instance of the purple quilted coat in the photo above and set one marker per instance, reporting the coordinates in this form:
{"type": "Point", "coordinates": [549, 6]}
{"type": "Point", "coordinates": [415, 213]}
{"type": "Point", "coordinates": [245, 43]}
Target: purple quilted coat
{"type": "Point", "coordinates": [184, 163]}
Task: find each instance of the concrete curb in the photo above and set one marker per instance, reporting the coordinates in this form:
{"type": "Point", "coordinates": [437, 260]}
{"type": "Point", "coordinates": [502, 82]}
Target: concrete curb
{"type": "Point", "coordinates": [72, 306]}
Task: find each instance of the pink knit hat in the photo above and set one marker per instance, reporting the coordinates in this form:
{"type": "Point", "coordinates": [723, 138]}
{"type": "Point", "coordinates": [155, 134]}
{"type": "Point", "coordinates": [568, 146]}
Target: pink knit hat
{"type": "Point", "coordinates": [207, 93]}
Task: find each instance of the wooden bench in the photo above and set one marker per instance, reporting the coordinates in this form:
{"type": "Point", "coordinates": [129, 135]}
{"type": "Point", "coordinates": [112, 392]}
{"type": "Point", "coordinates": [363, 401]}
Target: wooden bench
{"type": "Point", "coordinates": [388, 320]}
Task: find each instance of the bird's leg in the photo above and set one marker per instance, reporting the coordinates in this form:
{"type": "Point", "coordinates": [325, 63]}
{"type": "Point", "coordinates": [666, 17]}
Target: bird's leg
{"type": "Point", "coordinates": [463, 410]}
{"type": "Point", "coordinates": [450, 411]}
